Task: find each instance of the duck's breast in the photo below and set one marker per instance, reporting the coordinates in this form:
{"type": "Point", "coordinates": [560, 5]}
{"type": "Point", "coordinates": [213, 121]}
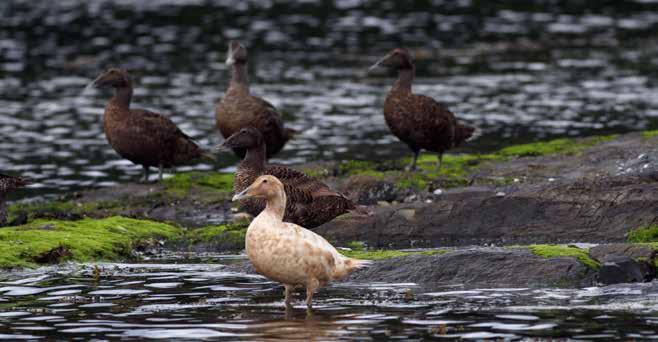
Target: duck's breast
{"type": "Point", "coordinates": [281, 253]}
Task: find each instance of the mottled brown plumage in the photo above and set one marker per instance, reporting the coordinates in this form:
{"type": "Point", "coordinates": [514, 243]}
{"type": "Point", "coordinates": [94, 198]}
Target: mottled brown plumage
{"type": "Point", "coordinates": [143, 137]}
{"type": "Point", "coordinates": [310, 202]}
{"type": "Point", "coordinates": [240, 109]}
{"type": "Point", "coordinates": [417, 120]}
{"type": "Point", "coordinates": [8, 184]}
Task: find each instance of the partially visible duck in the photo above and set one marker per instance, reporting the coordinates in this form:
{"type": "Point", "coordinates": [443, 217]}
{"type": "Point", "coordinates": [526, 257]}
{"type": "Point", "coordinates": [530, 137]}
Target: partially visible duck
{"type": "Point", "coordinates": [240, 109]}
{"type": "Point", "coordinates": [287, 253]}
{"type": "Point", "coordinates": [143, 137]}
{"type": "Point", "coordinates": [8, 184]}
{"type": "Point", "coordinates": [310, 202]}
{"type": "Point", "coordinates": [419, 121]}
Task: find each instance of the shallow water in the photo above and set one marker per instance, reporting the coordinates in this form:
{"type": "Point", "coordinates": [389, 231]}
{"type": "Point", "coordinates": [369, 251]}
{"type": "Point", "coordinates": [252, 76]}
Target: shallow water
{"type": "Point", "coordinates": [517, 70]}
{"type": "Point", "coordinates": [177, 298]}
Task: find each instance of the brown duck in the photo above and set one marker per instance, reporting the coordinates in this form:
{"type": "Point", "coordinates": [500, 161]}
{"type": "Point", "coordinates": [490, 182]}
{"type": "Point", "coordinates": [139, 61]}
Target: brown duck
{"type": "Point", "coordinates": [240, 109]}
{"type": "Point", "coordinates": [8, 184]}
{"type": "Point", "coordinates": [143, 137]}
{"type": "Point", "coordinates": [310, 202]}
{"type": "Point", "coordinates": [417, 120]}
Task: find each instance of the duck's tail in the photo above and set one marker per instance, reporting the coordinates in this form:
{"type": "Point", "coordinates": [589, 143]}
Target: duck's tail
{"type": "Point", "coordinates": [463, 133]}
{"type": "Point", "coordinates": [290, 133]}
{"type": "Point", "coordinates": [348, 266]}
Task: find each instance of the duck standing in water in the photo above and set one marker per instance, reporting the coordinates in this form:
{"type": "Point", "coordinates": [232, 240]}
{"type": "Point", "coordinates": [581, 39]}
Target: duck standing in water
{"type": "Point", "coordinates": [287, 253]}
{"type": "Point", "coordinates": [239, 109]}
{"type": "Point", "coordinates": [417, 120]}
{"type": "Point", "coordinates": [143, 137]}
{"type": "Point", "coordinates": [310, 202]}
{"type": "Point", "coordinates": [8, 184]}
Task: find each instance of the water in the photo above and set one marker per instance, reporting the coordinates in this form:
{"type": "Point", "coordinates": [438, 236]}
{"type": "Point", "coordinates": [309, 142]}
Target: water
{"type": "Point", "coordinates": [518, 70]}
{"type": "Point", "coordinates": [179, 298]}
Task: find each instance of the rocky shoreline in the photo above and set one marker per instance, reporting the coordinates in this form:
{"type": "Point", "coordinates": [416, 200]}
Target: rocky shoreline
{"type": "Point", "coordinates": [601, 191]}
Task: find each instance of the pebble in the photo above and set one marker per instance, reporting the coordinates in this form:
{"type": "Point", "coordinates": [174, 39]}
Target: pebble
{"type": "Point", "coordinates": [437, 192]}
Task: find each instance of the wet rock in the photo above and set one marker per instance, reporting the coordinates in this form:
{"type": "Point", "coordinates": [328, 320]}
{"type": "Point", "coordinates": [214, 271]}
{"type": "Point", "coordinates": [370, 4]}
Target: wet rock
{"type": "Point", "coordinates": [596, 211]}
{"type": "Point", "coordinates": [492, 267]}
{"type": "Point", "coordinates": [370, 190]}
{"type": "Point", "coordinates": [617, 269]}
{"type": "Point", "coordinates": [643, 257]}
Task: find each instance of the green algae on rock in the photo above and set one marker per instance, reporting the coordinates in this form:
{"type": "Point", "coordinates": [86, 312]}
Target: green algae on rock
{"type": "Point", "coordinates": [46, 241]}
{"type": "Point", "coordinates": [182, 183]}
{"type": "Point", "coordinates": [556, 251]}
{"type": "Point", "coordinates": [358, 250]}
{"type": "Point", "coordinates": [224, 237]}
{"type": "Point", "coordinates": [644, 234]}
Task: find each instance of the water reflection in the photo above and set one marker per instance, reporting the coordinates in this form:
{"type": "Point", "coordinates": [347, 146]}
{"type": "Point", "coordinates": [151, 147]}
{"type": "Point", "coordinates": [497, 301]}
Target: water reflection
{"type": "Point", "coordinates": [518, 71]}
{"type": "Point", "coordinates": [176, 298]}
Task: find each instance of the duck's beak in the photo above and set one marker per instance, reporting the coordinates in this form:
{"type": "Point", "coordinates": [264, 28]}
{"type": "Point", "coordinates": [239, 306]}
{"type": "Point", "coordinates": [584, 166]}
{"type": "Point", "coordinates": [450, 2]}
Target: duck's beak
{"type": "Point", "coordinates": [98, 82]}
{"type": "Point", "coordinates": [223, 146]}
{"type": "Point", "coordinates": [230, 60]}
{"type": "Point", "coordinates": [242, 195]}
{"type": "Point", "coordinates": [379, 62]}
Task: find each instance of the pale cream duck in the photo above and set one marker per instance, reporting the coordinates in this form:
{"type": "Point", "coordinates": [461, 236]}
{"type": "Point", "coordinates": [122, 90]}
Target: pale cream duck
{"type": "Point", "coordinates": [287, 253]}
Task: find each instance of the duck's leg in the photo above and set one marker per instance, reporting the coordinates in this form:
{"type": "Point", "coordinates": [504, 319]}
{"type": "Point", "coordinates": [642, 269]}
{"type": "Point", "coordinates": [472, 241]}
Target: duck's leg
{"type": "Point", "coordinates": [3, 212]}
{"type": "Point", "coordinates": [439, 161]}
{"type": "Point", "coordinates": [288, 294]}
{"type": "Point", "coordinates": [145, 175]}
{"type": "Point", "coordinates": [412, 166]}
{"type": "Point", "coordinates": [160, 170]}
{"type": "Point", "coordinates": [311, 286]}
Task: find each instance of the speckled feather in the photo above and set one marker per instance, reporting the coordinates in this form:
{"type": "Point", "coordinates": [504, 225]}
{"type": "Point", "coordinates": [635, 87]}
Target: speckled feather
{"type": "Point", "coordinates": [418, 120]}
{"type": "Point", "coordinates": [286, 252]}
{"type": "Point", "coordinates": [143, 137]}
{"type": "Point", "coordinates": [239, 109]}
{"type": "Point", "coordinates": [310, 202]}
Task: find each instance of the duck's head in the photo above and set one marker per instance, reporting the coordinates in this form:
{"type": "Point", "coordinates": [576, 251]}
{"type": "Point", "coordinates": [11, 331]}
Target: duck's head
{"type": "Point", "coordinates": [397, 59]}
{"type": "Point", "coordinates": [113, 77]}
{"type": "Point", "coordinates": [265, 187]}
{"type": "Point", "coordinates": [237, 54]}
{"type": "Point", "coordinates": [247, 137]}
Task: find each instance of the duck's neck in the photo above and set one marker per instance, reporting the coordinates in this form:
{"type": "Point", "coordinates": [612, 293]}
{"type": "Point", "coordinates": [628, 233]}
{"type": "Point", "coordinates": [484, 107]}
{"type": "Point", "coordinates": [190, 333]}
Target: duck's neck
{"type": "Point", "coordinates": [276, 207]}
{"type": "Point", "coordinates": [405, 78]}
{"type": "Point", "coordinates": [255, 157]}
{"type": "Point", "coordinates": [122, 97]}
{"type": "Point", "coordinates": [239, 78]}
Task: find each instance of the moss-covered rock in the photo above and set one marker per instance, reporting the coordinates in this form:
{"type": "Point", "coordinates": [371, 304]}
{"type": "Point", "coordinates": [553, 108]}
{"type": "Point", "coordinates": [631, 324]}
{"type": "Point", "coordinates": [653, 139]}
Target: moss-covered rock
{"type": "Point", "coordinates": [224, 237]}
{"type": "Point", "coordinates": [182, 184]}
{"type": "Point", "coordinates": [357, 250]}
{"type": "Point", "coordinates": [644, 234]}
{"type": "Point", "coordinates": [50, 241]}
{"type": "Point", "coordinates": [556, 251]}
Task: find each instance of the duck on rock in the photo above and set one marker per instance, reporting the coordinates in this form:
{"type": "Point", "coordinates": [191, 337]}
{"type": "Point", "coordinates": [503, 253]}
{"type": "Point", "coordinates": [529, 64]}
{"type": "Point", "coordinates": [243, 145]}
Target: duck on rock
{"type": "Point", "coordinates": [287, 253]}
{"type": "Point", "coordinates": [8, 184]}
{"type": "Point", "coordinates": [143, 137]}
{"type": "Point", "coordinates": [310, 202]}
{"type": "Point", "coordinates": [419, 121]}
{"type": "Point", "coordinates": [240, 109]}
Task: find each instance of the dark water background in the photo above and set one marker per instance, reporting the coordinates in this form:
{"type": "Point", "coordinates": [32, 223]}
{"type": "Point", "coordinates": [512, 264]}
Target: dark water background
{"type": "Point", "coordinates": [518, 70]}
{"type": "Point", "coordinates": [182, 299]}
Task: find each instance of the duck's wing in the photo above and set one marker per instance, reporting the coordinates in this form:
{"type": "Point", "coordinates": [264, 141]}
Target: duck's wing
{"type": "Point", "coordinates": [157, 124]}
{"type": "Point", "coordinates": [300, 184]}
{"type": "Point", "coordinates": [319, 251]}
{"type": "Point", "coordinates": [432, 114]}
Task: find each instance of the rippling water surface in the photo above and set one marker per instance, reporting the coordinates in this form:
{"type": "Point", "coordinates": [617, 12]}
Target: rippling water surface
{"type": "Point", "coordinates": [518, 70]}
{"type": "Point", "coordinates": [176, 298]}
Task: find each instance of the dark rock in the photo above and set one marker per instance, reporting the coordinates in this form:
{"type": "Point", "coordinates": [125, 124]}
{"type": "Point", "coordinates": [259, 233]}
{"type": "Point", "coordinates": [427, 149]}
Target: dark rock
{"type": "Point", "coordinates": [483, 267]}
{"type": "Point", "coordinates": [495, 267]}
{"type": "Point", "coordinates": [644, 257]}
{"type": "Point", "coordinates": [555, 212]}
{"type": "Point", "coordinates": [617, 269]}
